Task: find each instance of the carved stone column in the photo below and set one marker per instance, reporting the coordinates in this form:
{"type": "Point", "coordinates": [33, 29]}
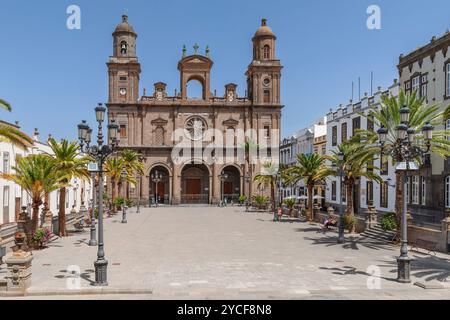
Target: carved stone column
{"type": "Point", "coordinates": [19, 271]}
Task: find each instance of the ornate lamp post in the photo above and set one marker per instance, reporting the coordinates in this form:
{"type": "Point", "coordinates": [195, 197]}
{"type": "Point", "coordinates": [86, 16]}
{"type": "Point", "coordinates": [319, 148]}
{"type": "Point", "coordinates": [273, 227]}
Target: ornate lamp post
{"type": "Point", "coordinates": [247, 180]}
{"type": "Point", "coordinates": [93, 240]}
{"type": "Point", "coordinates": [223, 176]}
{"type": "Point", "coordinates": [123, 176]}
{"type": "Point", "coordinates": [138, 190]}
{"type": "Point", "coordinates": [340, 168]}
{"type": "Point", "coordinates": [100, 153]}
{"type": "Point", "coordinates": [277, 178]}
{"type": "Point", "coordinates": [156, 178]}
{"type": "Point", "coordinates": [404, 150]}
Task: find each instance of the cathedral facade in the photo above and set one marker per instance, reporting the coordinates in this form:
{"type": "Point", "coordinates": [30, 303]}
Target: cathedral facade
{"type": "Point", "coordinates": [194, 149]}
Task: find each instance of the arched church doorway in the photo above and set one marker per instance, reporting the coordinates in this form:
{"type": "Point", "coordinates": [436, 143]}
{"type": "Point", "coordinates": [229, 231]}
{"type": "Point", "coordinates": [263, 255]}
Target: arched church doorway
{"type": "Point", "coordinates": [231, 184]}
{"type": "Point", "coordinates": [159, 180]}
{"type": "Point", "coordinates": [195, 184]}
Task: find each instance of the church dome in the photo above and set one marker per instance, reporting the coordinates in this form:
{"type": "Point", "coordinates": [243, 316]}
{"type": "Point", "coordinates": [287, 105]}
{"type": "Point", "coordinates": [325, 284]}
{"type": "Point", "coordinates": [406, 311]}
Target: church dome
{"type": "Point", "coordinates": [124, 26]}
{"type": "Point", "coordinates": [264, 30]}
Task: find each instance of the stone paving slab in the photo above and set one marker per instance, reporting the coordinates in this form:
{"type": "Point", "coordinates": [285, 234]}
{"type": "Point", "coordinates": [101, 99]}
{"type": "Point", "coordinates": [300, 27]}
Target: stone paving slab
{"type": "Point", "coordinates": [221, 253]}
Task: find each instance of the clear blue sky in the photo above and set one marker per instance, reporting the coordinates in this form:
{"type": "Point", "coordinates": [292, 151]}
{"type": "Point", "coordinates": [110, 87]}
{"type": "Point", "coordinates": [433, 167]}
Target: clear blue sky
{"type": "Point", "coordinates": [54, 77]}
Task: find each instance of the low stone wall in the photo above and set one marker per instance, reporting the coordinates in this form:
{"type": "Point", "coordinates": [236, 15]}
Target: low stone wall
{"type": "Point", "coordinates": [438, 236]}
{"type": "Point", "coordinates": [360, 222]}
{"type": "Point", "coordinates": [7, 231]}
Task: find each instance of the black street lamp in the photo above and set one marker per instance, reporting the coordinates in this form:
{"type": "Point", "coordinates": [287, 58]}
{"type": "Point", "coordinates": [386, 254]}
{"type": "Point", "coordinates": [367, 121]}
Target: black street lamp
{"type": "Point", "coordinates": [223, 176]}
{"type": "Point", "coordinates": [100, 153]}
{"type": "Point", "coordinates": [404, 150]}
{"type": "Point", "coordinates": [247, 180]}
{"type": "Point", "coordinates": [277, 180]}
{"type": "Point", "coordinates": [156, 177]}
{"type": "Point", "coordinates": [138, 190]}
{"type": "Point", "coordinates": [340, 168]}
{"type": "Point", "coordinates": [93, 239]}
{"type": "Point", "coordinates": [123, 176]}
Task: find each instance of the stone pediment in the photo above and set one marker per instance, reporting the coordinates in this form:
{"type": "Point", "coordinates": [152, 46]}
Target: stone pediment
{"type": "Point", "coordinates": [159, 122]}
{"type": "Point", "coordinates": [195, 61]}
{"type": "Point", "coordinates": [230, 123]}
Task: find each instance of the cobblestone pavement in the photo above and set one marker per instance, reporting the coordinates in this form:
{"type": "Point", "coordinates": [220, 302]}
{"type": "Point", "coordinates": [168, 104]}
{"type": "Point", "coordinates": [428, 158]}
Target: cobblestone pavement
{"type": "Point", "coordinates": [226, 253]}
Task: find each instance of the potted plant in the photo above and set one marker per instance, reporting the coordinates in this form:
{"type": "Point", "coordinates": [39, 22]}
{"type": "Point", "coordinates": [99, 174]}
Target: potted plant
{"type": "Point", "coordinates": [290, 203]}
{"type": "Point", "coordinates": [242, 200]}
{"type": "Point", "coordinates": [388, 221]}
{"type": "Point", "coordinates": [129, 203]}
{"type": "Point", "coordinates": [119, 202]}
{"type": "Point", "coordinates": [261, 201]}
{"type": "Point", "coordinates": [41, 237]}
{"type": "Point", "coordinates": [349, 222]}
{"type": "Point", "coordinates": [19, 239]}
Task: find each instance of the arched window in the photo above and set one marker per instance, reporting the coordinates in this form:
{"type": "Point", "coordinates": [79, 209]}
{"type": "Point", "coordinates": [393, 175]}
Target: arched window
{"type": "Point", "coordinates": [266, 96]}
{"type": "Point", "coordinates": [447, 192]}
{"type": "Point", "coordinates": [266, 52]}
{"type": "Point", "coordinates": [195, 89]}
{"type": "Point", "coordinates": [159, 136]}
{"type": "Point", "coordinates": [123, 47]}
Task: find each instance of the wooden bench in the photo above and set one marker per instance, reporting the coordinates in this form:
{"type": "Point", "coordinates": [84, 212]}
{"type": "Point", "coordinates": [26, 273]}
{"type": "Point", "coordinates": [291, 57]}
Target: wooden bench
{"type": "Point", "coordinates": [424, 244]}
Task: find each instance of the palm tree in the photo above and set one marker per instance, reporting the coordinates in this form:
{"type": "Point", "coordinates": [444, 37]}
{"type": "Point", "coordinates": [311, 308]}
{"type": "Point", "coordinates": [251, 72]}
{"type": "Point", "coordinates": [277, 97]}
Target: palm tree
{"type": "Point", "coordinates": [113, 169]}
{"type": "Point", "coordinates": [268, 178]}
{"type": "Point", "coordinates": [133, 165]}
{"type": "Point", "coordinates": [12, 134]}
{"type": "Point", "coordinates": [388, 116]}
{"type": "Point", "coordinates": [69, 165]}
{"type": "Point", "coordinates": [36, 174]}
{"type": "Point", "coordinates": [310, 168]}
{"type": "Point", "coordinates": [357, 162]}
{"type": "Point", "coordinates": [250, 148]}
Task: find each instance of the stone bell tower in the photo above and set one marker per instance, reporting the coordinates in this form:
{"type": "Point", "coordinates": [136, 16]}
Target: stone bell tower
{"type": "Point", "coordinates": [123, 66]}
{"type": "Point", "coordinates": [264, 73]}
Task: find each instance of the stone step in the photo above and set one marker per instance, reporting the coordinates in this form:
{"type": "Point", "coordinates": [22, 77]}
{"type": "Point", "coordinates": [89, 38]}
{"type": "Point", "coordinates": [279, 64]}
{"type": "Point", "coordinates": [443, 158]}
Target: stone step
{"type": "Point", "coordinates": [377, 232]}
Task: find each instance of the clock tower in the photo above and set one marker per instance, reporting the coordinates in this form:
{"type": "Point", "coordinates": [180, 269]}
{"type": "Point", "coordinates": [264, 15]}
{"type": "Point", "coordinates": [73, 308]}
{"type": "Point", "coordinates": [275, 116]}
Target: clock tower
{"type": "Point", "coordinates": [123, 66]}
{"type": "Point", "coordinates": [264, 73]}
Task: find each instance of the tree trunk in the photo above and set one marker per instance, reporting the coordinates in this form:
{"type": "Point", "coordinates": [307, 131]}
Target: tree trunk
{"type": "Point", "coordinates": [350, 209]}
{"type": "Point", "coordinates": [113, 195]}
{"type": "Point", "coordinates": [62, 212]}
{"type": "Point", "coordinates": [399, 202]}
{"type": "Point", "coordinates": [272, 194]}
{"type": "Point", "coordinates": [310, 203]}
{"type": "Point", "coordinates": [35, 217]}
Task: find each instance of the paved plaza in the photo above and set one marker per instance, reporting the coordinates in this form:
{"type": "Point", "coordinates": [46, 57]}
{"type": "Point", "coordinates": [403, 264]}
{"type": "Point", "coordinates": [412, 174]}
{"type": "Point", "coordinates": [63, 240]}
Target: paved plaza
{"type": "Point", "coordinates": [227, 253]}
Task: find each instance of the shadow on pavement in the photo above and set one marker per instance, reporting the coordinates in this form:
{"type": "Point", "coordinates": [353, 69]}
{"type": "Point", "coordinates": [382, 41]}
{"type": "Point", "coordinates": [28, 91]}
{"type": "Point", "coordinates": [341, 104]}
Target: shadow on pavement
{"type": "Point", "coordinates": [426, 268]}
{"type": "Point", "coordinates": [352, 243]}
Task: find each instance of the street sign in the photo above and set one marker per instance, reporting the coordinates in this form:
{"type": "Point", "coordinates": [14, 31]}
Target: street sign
{"type": "Point", "coordinates": [401, 166]}
{"type": "Point", "coordinates": [92, 167]}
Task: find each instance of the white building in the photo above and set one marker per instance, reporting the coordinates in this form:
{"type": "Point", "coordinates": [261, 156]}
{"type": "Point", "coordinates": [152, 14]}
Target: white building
{"type": "Point", "coordinates": [304, 141]}
{"type": "Point", "coordinates": [342, 125]}
{"type": "Point", "coordinates": [427, 71]}
{"type": "Point", "coordinates": [12, 197]}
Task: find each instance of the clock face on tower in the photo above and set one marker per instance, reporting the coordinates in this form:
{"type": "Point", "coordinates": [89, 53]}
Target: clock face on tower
{"type": "Point", "coordinates": [123, 91]}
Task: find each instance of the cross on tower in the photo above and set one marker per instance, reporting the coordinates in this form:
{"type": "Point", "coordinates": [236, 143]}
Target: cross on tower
{"type": "Point", "coordinates": [196, 47]}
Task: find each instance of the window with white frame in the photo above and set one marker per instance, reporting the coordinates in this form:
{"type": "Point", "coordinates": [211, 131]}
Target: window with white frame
{"type": "Point", "coordinates": [447, 77]}
{"type": "Point", "coordinates": [447, 127]}
{"type": "Point", "coordinates": [415, 189]}
{"type": "Point", "coordinates": [6, 162]}
{"type": "Point", "coordinates": [447, 192]}
{"type": "Point", "coordinates": [415, 84]}
{"type": "Point", "coordinates": [423, 198]}
{"type": "Point", "coordinates": [423, 85]}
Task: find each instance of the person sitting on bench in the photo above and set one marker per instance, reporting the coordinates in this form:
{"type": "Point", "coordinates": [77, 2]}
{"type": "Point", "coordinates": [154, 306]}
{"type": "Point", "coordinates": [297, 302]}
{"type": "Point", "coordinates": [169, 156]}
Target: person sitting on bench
{"type": "Point", "coordinates": [329, 222]}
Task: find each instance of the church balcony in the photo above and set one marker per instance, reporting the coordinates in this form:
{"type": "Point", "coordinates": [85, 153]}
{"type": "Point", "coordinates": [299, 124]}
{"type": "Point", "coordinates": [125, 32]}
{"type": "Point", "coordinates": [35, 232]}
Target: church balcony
{"type": "Point", "coordinates": [219, 101]}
